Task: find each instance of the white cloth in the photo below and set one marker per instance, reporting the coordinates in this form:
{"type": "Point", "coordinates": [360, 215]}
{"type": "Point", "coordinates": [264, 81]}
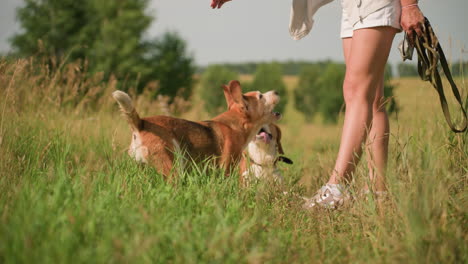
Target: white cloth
{"type": "Point", "coordinates": [357, 10]}
{"type": "Point", "coordinates": [302, 16]}
{"type": "Point", "coordinates": [387, 16]}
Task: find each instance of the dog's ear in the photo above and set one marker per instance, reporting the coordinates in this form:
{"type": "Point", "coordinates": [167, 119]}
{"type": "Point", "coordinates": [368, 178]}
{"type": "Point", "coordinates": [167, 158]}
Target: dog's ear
{"type": "Point", "coordinates": [278, 139]}
{"type": "Point", "coordinates": [233, 94]}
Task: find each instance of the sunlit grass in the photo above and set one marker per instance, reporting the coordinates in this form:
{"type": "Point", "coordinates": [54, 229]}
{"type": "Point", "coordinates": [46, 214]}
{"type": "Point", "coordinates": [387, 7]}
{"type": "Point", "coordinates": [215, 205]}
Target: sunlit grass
{"type": "Point", "coordinates": [69, 192]}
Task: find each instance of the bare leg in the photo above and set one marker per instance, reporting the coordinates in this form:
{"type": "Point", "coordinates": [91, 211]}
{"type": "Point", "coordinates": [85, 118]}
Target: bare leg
{"type": "Point", "coordinates": [366, 54]}
{"type": "Point", "coordinates": [377, 148]}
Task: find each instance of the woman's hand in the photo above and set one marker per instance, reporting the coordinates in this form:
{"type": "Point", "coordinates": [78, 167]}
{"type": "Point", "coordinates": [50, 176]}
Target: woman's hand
{"type": "Point", "coordinates": [218, 3]}
{"type": "Point", "coordinates": [412, 20]}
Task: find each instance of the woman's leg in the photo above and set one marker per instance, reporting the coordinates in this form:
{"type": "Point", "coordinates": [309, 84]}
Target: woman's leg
{"type": "Point", "coordinates": [377, 146]}
{"type": "Point", "coordinates": [366, 54]}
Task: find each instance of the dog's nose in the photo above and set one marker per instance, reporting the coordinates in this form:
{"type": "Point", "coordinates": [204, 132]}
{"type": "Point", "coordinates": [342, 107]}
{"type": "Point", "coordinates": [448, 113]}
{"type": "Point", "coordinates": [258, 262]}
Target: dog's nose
{"type": "Point", "coordinates": [275, 92]}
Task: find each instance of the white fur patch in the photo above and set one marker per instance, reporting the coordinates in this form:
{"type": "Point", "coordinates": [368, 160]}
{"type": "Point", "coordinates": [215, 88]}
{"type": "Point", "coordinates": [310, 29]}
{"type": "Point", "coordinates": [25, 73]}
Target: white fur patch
{"type": "Point", "coordinates": [176, 146]}
{"type": "Point", "coordinates": [178, 154]}
{"type": "Point", "coordinates": [261, 152]}
{"type": "Point", "coordinates": [271, 99]}
{"type": "Point", "coordinates": [124, 101]}
{"type": "Point", "coordinates": [137, 150]}
{"type": "Point", "coordinates": [263, 156]}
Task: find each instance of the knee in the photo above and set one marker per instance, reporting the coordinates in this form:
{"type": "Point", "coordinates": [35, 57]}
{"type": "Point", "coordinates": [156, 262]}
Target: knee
{"type": "Point", "coordinates": [358, 89]}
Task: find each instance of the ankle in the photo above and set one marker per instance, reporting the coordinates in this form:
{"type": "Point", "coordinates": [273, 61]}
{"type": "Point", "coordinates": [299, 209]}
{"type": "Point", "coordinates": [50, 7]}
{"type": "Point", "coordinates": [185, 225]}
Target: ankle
{"type": "Point", "coordinates": [338, 180]}
{"type": "Point", "coordinates": [333, 181]}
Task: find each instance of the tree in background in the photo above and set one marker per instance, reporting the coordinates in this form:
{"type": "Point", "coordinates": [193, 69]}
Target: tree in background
{"type": "Point", "coordinates": [211, 90]}
{"type": "Point", "coordinates": [305, 101]}
{"type": "Point", "coordinates": [407, 70]}
{"type": "Point", "coordinates": [52, 27]}
{"type": "Point", "coordinates": [269, 76]}
{"type": "Point", "coordinates": [173, 67]}
{"type": "Point", "coordinates": [319, 90]}
{"type": "Point", "coordinates": [108, 34]}
{"type": "Point", "coordinates": [460, 68]}
{"type": "Point", "coordinates": [330, 92]}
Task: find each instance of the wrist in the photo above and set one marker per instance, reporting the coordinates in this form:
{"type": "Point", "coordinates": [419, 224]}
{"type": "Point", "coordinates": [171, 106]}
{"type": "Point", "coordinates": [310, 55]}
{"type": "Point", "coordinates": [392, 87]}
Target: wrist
{"type": "Point", "coordinates": [408, 2]}
{"type": "Point", "coordinates": [410, 6]}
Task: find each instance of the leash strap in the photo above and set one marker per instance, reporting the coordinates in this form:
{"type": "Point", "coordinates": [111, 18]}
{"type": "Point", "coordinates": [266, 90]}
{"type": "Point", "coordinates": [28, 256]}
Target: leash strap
{"type": "Point", "coordinates": [430, 53]}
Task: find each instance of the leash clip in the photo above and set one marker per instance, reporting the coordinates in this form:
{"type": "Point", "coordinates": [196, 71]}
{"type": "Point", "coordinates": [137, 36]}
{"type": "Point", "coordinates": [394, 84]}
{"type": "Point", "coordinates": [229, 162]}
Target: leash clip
{"type": "Point", "coordinates": [406, 48]}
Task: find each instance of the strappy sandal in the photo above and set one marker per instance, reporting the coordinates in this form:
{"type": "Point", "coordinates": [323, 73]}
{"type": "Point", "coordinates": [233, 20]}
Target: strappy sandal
{"type": "Point", "coordinates": [330, 196]}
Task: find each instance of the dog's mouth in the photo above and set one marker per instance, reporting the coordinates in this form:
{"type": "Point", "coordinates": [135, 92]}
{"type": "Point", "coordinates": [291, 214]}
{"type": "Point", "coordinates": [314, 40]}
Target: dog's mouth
{"type": "Point", "coordinates": [264, 136]}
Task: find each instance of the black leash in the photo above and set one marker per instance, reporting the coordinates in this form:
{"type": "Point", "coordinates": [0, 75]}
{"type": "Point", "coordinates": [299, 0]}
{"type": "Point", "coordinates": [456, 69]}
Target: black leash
{"type": "Point", "coordinates": [430, 53]}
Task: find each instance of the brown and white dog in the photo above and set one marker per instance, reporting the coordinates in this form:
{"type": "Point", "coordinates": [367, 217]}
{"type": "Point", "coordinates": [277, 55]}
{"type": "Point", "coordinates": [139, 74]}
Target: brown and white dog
{"type": "Point", "coordinates": [261, 156]}
{"type": "Point", "coordinates": [156, 139]}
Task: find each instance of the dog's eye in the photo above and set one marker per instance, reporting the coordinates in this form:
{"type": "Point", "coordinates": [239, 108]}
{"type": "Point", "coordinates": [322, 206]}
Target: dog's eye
{"type": "Point", "coordinates": [260, 96]}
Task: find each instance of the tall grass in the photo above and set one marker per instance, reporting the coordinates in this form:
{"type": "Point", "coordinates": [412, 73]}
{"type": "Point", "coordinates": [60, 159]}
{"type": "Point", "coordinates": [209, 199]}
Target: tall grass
{"type": "Point", "coordinates": [69, 193]}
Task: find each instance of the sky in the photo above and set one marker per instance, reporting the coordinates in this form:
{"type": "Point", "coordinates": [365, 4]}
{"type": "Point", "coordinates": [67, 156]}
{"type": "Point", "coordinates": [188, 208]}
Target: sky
{"type": "Point", "coordinates": [257, 30]}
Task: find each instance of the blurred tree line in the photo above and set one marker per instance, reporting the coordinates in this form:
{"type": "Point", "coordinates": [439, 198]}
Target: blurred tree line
{"type": "Point", "coordinates": [407, 69]}
{"type": "Point", "coordinates": [411, 70]}
{"type": "Point", "coordinates": [267, 76]}
{"type": "Point", "coordinates": [318, 91]}
{"type": "Point", "coordinates": [106, 36]}
{"type": "Point", "coordinates": [289, 67]}
{"type": "Point", "coordinates": [403, 69]}
{"type": "Point", "coordinates": [460, 68]}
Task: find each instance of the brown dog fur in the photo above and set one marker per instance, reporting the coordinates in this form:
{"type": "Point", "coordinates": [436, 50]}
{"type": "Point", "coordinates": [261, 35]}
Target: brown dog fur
{"type": "Point", "coordinates": [156, 139]}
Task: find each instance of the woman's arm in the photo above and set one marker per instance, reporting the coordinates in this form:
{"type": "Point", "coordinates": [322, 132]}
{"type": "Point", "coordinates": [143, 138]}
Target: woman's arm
{"type": "Point", "coordinates": [412, 18]}
{"type": "Point", "coordinates": [218, 3]}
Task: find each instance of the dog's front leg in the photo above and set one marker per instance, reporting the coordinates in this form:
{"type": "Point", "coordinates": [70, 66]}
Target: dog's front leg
{"type": "Point", "coordinates": [225, 164]}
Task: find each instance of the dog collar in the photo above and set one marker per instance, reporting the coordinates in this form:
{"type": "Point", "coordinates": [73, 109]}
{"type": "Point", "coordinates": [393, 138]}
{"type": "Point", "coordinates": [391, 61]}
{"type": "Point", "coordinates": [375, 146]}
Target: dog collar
{"type": "Point", "coordinates": [284, 159]}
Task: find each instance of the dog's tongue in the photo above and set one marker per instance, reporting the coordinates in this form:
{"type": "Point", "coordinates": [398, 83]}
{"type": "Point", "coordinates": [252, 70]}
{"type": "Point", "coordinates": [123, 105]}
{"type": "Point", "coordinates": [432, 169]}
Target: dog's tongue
{"type": "Point", "coordinates": [265, 137]}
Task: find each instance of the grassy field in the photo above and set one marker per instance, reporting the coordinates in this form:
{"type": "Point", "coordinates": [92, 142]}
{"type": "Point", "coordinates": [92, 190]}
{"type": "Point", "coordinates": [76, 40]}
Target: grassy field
{"type": "Point", "coordinates": [70, 194]}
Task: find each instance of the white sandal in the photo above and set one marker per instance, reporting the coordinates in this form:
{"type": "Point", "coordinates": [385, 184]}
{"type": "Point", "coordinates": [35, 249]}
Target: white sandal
{"type": "Point", "coordinates": [330, 196]}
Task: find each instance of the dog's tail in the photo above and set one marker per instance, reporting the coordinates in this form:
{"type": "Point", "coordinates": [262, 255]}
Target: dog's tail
{"type": "Point", "coordinates": [128, 110]}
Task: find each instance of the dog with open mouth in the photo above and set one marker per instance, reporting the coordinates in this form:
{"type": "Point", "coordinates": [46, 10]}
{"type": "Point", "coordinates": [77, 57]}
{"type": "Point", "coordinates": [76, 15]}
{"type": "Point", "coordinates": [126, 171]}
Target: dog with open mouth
{"type": "Point", "coordinates": [261, 156]}
{"type": "Point", "coordinates": [156, 139]}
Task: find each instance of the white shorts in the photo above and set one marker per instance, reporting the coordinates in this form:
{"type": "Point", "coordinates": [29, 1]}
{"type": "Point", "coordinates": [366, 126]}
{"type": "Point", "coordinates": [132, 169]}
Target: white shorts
{"type": "Point", "coordinates": [386, 16]}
